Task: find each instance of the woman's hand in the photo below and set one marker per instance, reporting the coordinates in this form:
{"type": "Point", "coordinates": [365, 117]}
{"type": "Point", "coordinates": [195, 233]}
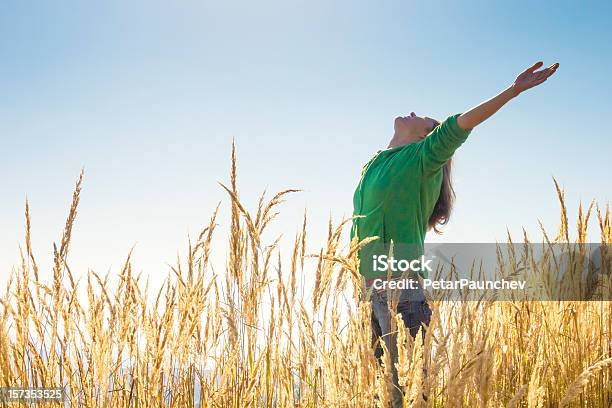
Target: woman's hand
{"type": "Point", "coordinates": [530, 77]}
{"type": "Point", "coordinates": [527, 79]}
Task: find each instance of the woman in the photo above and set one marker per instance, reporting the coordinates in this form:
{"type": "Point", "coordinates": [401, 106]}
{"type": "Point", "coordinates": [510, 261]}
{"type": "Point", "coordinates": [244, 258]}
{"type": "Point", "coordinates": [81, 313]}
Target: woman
{"type": "Point", "coordinates": [405, 191]}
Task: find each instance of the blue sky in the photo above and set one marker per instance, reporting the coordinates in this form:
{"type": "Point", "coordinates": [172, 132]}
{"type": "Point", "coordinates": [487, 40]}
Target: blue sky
{"type": "Point", "coordinates": [147, 96]}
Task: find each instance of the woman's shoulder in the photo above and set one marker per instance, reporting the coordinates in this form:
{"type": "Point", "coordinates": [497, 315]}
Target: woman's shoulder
{"type": "Point", "coordinates": [406, 155]}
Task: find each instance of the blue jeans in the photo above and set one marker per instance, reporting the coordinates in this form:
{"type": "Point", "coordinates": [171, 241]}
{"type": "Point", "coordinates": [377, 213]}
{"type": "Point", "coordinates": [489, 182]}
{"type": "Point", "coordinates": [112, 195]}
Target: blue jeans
{"type": "Point", "coordinates": [414, 313]}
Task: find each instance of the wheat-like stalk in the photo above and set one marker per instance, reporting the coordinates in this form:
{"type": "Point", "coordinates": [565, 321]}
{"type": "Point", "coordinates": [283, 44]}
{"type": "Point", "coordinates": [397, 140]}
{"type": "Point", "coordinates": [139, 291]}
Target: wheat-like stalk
{"type": "Point", "coordinates": [576, 387]}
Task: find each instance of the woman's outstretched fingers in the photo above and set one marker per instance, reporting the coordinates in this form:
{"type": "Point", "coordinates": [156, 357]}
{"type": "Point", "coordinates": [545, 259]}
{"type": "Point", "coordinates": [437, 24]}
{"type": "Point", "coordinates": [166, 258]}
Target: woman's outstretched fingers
{"type": "Point", "coordinates": [545, 73]}
{"type": "Point", "coordinates": [534, 66]}
{"type": "Point", "coordinates": [552, 69]}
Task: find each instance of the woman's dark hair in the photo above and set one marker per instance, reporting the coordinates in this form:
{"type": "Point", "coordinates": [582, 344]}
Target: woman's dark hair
{"type": "Point", "coordinates": [444, 205]}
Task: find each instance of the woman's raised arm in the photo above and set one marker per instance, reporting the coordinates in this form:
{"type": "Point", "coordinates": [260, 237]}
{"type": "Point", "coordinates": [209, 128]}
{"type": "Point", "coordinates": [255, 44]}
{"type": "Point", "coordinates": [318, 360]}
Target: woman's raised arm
{"type": "Point", "coordinates": [527, 79]}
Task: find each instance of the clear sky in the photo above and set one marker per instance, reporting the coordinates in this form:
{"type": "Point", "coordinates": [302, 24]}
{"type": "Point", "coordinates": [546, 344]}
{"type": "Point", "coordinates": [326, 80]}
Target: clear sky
{"type": "Point", "coordinates": [147, 96]}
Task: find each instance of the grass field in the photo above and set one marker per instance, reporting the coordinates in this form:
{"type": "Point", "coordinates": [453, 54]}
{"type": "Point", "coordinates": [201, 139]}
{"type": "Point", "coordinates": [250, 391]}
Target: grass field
{"type": "Point", "coordinates": [247, 337]}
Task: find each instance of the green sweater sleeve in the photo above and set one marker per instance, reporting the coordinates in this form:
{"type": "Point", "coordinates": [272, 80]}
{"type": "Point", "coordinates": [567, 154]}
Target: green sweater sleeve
{"type": "Point", "coordinates": [440, 145]}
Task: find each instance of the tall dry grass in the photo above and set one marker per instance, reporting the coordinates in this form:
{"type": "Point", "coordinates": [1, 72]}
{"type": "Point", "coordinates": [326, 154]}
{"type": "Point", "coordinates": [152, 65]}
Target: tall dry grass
{"type": "Point", "coordinates": [247, 337]}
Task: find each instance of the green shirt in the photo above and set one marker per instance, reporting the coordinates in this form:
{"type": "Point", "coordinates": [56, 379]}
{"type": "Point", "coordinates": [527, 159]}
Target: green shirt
{"type": "Point", "coordinates": [396, 195]}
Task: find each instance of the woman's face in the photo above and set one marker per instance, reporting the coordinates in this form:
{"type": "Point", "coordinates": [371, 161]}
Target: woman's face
{"type": "Point", "coordinates": [413, 126]}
